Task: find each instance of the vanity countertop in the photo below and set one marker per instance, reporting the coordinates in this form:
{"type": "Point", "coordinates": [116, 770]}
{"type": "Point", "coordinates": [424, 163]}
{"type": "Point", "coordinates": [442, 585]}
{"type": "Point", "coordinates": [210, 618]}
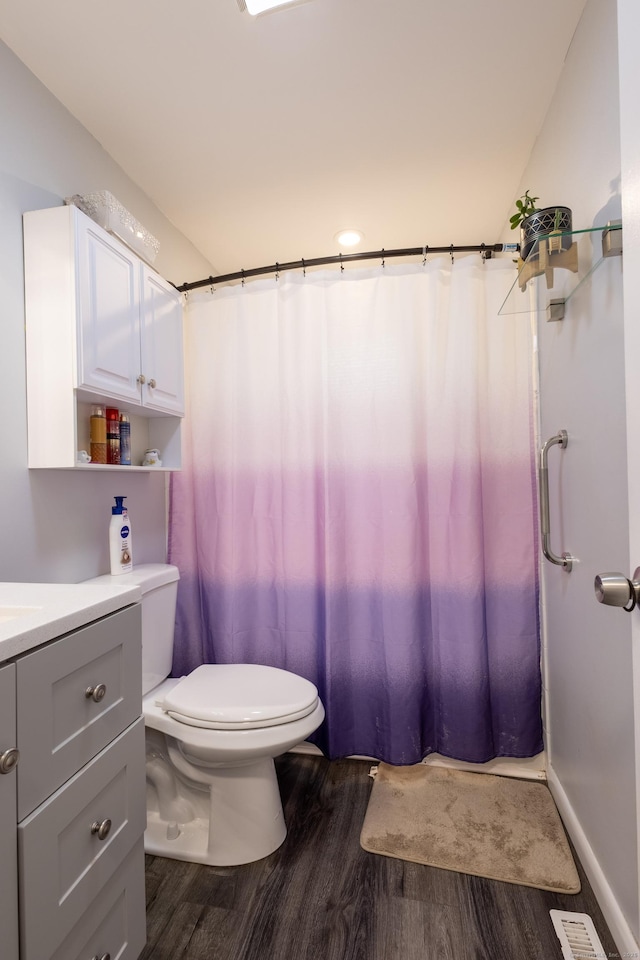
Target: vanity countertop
{"type": "Point", "coordinates": [33, 613]}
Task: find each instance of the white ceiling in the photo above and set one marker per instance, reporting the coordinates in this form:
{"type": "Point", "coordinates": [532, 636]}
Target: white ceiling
{"type": "Point", "coordinates": [260, 138]}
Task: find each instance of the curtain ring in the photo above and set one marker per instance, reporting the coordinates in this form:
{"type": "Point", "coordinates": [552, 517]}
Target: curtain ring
{"type": "Point", "coordinates": [383, 257]}
{"type": "Point", "coordinates": [304, 269]}
{"type": "Point", "coordinates": [451, 253]}
{"type": "Point", "coordinates": [483, 253]}
{"type": "Point", "coordinates": [341, 264]}
{"type": "Point", "coordinates": [242, 271]}
{"type": "Point", "coordinates": [277, 270]}
{"type": "Point", "coordinates": [424, 254]}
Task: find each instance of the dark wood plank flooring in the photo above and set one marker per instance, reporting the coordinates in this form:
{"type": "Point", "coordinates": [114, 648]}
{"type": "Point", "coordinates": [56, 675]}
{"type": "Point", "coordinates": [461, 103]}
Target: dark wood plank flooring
{"type": "Point", "coordinates": [321, 897]}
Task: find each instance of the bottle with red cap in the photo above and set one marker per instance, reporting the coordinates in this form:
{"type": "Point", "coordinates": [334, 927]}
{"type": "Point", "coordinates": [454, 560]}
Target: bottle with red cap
{"type": "Point", "coordinates": [113, 435]}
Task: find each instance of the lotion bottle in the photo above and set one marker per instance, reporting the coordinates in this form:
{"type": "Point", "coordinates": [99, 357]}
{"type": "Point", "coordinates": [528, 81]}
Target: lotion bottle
{"type": "Point", "coordinates": [120, 553]}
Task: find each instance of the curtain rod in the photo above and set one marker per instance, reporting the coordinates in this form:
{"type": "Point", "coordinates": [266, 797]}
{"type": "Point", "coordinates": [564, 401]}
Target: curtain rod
{"type": "Point", "coordinates": [485, 249]}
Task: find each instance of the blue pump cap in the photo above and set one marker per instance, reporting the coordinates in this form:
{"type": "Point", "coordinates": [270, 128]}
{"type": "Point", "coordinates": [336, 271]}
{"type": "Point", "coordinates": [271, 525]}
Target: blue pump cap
{"type": "Point", "coordinates": [118, 507]}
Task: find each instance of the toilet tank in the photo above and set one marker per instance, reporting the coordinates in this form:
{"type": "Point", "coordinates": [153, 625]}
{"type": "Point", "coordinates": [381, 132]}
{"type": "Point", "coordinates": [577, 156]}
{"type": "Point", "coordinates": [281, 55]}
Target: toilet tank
{"type": "Point", "coordinates": [158, 584]}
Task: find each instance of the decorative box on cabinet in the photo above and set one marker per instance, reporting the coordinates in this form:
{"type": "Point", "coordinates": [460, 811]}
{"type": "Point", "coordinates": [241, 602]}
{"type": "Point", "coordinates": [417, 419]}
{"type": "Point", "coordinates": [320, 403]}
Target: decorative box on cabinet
{"type": "Point", "coordinates": [101, 327]}
{"type": "Point", "coordinates": [8, 842]}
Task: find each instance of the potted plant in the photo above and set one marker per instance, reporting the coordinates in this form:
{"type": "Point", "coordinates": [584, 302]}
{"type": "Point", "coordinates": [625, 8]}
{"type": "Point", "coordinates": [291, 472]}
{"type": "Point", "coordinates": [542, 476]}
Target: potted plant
{"type": "Point", "coordinates": [535, 222]}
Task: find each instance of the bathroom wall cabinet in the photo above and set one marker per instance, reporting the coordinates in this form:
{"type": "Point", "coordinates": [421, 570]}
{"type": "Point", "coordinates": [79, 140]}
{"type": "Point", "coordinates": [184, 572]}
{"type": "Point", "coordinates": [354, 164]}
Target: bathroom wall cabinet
{"type": "Point", "coordinates": [8, 836]}
{"type": "Point", "coordinates": [79, 790]}
{"type": "Point", "coordinates": [101, 327]}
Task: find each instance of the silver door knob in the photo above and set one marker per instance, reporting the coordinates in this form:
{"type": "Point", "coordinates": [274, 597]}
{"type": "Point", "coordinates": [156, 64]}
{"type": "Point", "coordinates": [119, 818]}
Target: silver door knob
{"type": "Point", "coordinates": [96, 693]}
{"type": "Point", "coordinates": [101, 828]}
{"type": "Point", "coordinates": [9, 760]}
{"type": "Point", "coordinates": [616, 590]}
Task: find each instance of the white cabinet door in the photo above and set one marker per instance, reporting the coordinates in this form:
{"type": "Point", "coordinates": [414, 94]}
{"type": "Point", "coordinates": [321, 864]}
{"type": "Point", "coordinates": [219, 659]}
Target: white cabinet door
{"type": "Point", "coordinates": [162, 354]}
{"type": "Point", "coordinates": [108, 281]}
{"type": "Point", "coordinates": [8, 835]}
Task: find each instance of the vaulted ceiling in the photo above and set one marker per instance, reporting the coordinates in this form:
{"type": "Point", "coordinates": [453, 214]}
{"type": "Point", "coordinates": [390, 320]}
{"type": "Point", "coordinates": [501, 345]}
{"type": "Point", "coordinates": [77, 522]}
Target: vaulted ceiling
{"type": "Point", "coordinates": [260, 138]}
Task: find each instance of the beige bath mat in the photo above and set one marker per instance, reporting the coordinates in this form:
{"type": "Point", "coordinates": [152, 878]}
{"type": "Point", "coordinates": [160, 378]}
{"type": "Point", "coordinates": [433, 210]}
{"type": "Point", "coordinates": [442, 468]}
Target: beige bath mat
{"type": "Point", "coordinates": [476, 823]}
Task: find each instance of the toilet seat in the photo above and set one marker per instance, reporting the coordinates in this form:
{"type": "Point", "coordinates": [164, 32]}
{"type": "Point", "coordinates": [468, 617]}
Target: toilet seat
{"type": "Point", "coordinates": [239, 696]}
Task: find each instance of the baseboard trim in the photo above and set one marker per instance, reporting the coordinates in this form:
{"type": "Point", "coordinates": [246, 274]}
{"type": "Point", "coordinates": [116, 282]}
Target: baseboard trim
{"type": "Point", "coordinates": [530, 768]}
{"type": "Point", "coordinates": [620, 929]}
{"type": "Point", "coordinates": [306, 747]}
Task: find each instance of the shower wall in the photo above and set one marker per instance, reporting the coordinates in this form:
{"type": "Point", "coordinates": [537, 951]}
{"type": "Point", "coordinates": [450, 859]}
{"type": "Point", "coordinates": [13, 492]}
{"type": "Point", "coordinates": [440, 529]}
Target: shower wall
{"type": "Point", "coordinates": [588, 696]}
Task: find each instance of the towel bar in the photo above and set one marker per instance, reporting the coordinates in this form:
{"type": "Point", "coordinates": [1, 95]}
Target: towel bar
{"type": "Point", "coordinates": [566, 560]}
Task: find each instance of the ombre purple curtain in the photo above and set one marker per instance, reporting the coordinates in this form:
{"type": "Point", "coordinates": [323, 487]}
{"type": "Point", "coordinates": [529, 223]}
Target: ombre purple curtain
{"type": "Point", "coordinates": [357, 503]}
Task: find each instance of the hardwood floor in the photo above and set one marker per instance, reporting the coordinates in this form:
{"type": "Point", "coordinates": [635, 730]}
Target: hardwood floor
{"type": "Point", "coordinates": [321, 897]}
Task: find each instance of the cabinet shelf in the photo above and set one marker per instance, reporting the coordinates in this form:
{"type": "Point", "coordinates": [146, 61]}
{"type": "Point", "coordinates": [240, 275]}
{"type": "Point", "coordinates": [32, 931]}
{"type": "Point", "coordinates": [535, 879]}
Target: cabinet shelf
{"type": "Point", "coordinates": [111, 467]}
{"type": "Point", "coordinates": [147, 433]}
{"type": "Point", "coordinates": [558, 266]}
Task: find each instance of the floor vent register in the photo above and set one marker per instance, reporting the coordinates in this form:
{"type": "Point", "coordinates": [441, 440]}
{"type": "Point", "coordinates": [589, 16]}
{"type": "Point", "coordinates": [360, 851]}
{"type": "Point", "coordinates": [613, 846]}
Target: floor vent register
{"type": "Point", "coordinates": [577, 936]}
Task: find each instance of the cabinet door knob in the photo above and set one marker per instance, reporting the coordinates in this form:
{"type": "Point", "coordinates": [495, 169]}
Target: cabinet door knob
{"type": "Point", "coordinates": [96, 693]}
{"type": "Point", "coordinates": [101, 828]}
{"type": "Point", "coordinates": [9, 760]}
{"type": "Point", "coordinates": [152, 383]}
{"type": "Point", "coordinates": [141, 378]}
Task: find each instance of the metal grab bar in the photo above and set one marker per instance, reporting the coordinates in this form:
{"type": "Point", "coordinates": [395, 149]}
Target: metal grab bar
{"type": "Point", "coordinates": [566, 560]}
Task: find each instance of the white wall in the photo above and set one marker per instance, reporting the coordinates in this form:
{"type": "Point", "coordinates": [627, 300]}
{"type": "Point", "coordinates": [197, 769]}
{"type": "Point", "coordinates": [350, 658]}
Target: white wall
{"type": "Point", "coordinates": [588, 665]}
{"type": "Point", "coordinates": [54, 524]}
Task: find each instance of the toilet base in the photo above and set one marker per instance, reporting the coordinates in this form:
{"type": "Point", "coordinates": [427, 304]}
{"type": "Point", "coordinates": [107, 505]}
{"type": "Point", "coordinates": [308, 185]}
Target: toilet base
{"type": "Point", "coordinates": [191, 845]}
{"type": "Point", "coordinates": [237, 816]}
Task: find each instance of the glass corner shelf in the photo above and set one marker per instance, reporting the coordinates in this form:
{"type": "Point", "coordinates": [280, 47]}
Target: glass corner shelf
{"type": "Point", "coordinates": [557, 266]}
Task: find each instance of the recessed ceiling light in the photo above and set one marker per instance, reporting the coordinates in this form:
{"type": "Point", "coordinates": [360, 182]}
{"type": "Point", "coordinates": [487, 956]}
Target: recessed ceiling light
{"type": "Point", "coordinates": [254, 7]}
{"type": "Point", "coordinates": [349, 238]}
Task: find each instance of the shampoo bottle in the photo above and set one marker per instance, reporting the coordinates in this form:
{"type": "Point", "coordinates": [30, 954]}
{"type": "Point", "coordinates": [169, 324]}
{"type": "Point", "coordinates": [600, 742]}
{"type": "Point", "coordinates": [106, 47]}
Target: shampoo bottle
{"type": "Point", "coordinates": [120, 552]}
{"type": "Point", "coordinates": [125, 440]}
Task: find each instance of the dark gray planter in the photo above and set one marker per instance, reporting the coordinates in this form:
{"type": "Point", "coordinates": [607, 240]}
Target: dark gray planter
{"type": "Point", "coordinates": [541, 224]}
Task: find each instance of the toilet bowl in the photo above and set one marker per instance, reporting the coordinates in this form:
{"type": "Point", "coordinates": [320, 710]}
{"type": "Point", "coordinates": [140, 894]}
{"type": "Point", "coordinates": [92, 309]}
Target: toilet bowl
{"type": "Point", "coordinates": [212, 736]}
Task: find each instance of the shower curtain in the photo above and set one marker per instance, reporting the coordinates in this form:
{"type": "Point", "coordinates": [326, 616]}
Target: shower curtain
{"type": "Point", "coordinates": [357, 503]}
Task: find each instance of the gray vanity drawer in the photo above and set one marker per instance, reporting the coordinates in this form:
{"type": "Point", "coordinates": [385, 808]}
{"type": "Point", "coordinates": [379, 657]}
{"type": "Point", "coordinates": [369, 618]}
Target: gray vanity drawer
{"type": "Point", "coordinates": [60, 728]}
{"type": "Point", "coordinates": [64, 858]}
{"type": "Point", "coordinates": [114, 924]}
{"type": "Point", "coordinates": [8, 858]}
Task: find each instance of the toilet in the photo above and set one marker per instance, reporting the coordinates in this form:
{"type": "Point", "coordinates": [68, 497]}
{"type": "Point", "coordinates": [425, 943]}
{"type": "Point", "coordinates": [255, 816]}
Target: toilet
{"type": "Point", "coordinates": [211, 739]}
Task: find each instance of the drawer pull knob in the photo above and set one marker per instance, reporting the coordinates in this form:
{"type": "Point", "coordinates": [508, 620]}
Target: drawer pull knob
{"type": "Point", "coordinates": [96, 693]}
{"type": "Point", "coordinates": [9, 760]}
{"type": "Point", "coordinates": [101, 828]}
{"type": "Point", "coordinates": [152, 383]}
{"type": "Point", "coordinates": [141, 379]}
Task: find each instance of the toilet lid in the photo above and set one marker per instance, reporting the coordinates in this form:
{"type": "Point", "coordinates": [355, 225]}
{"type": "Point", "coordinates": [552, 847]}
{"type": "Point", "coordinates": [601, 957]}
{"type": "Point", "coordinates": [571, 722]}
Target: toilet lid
{"type": "Point", "coordinates": [240, 696]}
